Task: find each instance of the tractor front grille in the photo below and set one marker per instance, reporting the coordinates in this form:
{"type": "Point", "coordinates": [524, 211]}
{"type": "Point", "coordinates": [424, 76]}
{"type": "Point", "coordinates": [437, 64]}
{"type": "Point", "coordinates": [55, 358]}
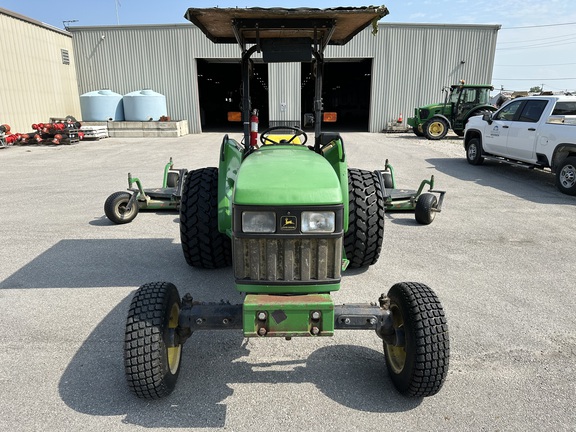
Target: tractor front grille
{"type": "Point", "coordinates": [287, 260]}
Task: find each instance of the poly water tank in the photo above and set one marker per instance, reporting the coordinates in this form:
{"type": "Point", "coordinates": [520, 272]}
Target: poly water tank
{"type": "Point", "coordinates": [144, 105]}
{"type": "Point", "coordinates": [101, 105]}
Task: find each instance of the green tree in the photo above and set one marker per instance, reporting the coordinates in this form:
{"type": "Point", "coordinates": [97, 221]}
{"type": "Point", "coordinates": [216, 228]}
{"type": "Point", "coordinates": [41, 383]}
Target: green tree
{"type": "Point", "coordinates": [536, 89]}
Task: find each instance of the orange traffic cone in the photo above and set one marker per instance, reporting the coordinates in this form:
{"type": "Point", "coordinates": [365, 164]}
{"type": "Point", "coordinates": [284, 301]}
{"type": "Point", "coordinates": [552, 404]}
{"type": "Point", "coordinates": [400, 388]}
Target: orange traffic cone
{"type": "Point", "coordinates": [400, 119]}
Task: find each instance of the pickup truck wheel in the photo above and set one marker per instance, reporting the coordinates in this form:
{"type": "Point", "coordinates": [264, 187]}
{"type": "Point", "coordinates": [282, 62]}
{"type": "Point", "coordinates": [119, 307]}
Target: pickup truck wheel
{"type": "Point", "coordinates": [418, 361]}
{"type": "Point", "coordinates": [474, 152]}
{"type": "Point", "coordinates": [363, 240]}
{"type": "Point", "coordinates": [566, 176]}
{"type": "Point", "coordinates": [424, 211]}
{"type": "Point", "coordinates": [436, 128]}
{"type": "Point", "coordinates": [151, 357]}
{"type": "Point", "coordinates": [115, 208]}
{"type": "Point", "coordinates": [203, 245]}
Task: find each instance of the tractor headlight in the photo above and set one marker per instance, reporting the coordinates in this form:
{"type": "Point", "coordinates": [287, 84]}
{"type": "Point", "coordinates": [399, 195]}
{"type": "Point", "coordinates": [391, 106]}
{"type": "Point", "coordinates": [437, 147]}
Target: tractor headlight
{"type": "Point", "coordinates": [318, 221]}
{"type": "Point", "coordinates": [258, 222]}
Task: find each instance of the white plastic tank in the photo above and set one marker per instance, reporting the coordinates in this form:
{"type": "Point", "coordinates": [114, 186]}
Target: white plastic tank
{"type": "Point", "coordinates": [144, 105]}
{"type": "Point", "coordinates": [101, 105]}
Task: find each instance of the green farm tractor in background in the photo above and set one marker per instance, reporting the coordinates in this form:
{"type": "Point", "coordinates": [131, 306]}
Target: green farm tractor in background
{"type": "Point", "coordinates": [461, 102]}
{"type": "Point", "coordinates": [289, 218]}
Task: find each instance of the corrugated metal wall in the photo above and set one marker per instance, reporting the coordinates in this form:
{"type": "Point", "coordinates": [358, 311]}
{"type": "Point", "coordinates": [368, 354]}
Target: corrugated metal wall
{"type": "Point", "coordinates": [35, 84]}
{"type": "Point", "coordinates": [284, 100]}
{"type": "Point", "coordinates": [411, 64]}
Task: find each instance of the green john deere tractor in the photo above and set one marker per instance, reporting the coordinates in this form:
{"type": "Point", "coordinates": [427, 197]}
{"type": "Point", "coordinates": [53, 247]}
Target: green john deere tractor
{"type": "Point", "coordinates": [461, 102]}
{"type": "Point", "coordinates": [289, 218]}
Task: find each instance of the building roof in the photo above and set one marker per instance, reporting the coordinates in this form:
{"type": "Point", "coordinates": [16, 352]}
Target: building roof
{"type": "Point", "coordinates": [33, 21]}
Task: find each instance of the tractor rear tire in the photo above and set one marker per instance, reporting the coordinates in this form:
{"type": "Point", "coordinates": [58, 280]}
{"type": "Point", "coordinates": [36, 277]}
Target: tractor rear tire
{"type": "Point", "coordinates": [203, 245]}
{"type": "Point", "coordinates": [436, 128]}
{"type": "Point", "coordinates": [418, 363]}
{"type": "Point", "coordinates": [151, 365]}
{"type": "Point", "coordinates": [425, 206]}
{"type": "Point", "coordinates": [363, 240]}
{"type": "Point", "coordinates": [115, 208]}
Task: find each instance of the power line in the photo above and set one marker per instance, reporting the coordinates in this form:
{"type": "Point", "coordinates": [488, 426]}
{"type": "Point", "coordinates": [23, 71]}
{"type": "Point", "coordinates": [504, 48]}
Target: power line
{"type": "Point", "coordinates": [541, 25]}
{"type": "Point", "coordinates": [532, 79]}
{"type": "Point", "coordinates": [539, 39]}
{"type": "Point", "coordinates": [542, 64]}
{"type": "Point", "coordinates": [545, 44]}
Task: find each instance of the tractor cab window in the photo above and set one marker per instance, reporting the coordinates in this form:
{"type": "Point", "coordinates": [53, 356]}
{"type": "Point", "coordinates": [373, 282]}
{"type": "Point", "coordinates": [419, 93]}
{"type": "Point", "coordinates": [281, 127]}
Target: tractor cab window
{"type": "Point", "coordinates": [469, 96]}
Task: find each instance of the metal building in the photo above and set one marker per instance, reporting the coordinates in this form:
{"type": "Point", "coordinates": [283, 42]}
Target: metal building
{"type": "Point", "coordinates": [399, 68]}
{"type": "Point", "coordinates": [369, 82]}
{"type": "Point", "coordinates": [38, 72]}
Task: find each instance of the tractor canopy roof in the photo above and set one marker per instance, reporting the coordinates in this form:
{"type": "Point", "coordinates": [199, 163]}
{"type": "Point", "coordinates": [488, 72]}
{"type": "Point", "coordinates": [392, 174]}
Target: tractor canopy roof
{"type": "Point", "coordinates": [252, 25]}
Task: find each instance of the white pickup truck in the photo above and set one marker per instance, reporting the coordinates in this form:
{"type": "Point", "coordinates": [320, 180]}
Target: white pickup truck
{"type": "Point", "coordinates": [534, 131]}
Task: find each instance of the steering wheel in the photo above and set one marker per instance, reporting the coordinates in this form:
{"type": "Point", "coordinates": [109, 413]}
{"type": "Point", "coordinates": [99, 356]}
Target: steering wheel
{"type": "Point", "coordinates": [296, 132]}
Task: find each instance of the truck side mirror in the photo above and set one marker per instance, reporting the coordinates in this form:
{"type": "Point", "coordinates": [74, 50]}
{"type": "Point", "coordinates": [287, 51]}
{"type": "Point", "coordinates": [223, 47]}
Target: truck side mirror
{"type": "Point", "coordinates": [487, 118]}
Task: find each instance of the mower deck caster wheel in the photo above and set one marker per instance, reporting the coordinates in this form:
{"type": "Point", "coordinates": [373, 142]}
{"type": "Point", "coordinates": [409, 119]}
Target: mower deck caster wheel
{"type": "Point", "coordinates": [425, 208]}
{"type": "Point", "coordinates": [115, 208]}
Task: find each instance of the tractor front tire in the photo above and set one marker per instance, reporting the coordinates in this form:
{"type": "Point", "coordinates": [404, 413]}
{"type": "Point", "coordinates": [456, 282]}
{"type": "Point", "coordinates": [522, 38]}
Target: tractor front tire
{"type": "Point", "coordinates": [115, 208]}
{"type": "Point", "coordinates": [436, 128]}
{"type": "Point", "coordinates": [203, 245]}
{"type": "Point", "coordinates": [425, 208]}
{"type": "Point", "coordinates": [363, 240]}
{"type": "Point", "coordinates": [418, 363]}
{"type": "Point", "coordinates": [417, 131]}
{"type": "Point", "coordinates": [151, 362]}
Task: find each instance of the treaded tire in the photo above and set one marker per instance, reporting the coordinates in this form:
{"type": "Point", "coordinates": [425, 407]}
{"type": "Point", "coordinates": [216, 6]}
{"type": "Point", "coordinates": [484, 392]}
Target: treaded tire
{"type": "Point", "coordinates": [115, 208]}
{"type": "Point", "coordinates": [436, 128]}
{"type": "Point", "coordinates": [474, 152]}
{"type": "Point", "coordinates": [417, 132]}
{"type": "Point", "coordinates": [151, 367]}
{"type": "Point", "coordinates": [363, 240]}
{"type": "Point", "coordinates": [203, 245]}
{"type": "Point", "coordinates": [424, 211]}
{"type": "Point", "coordinates": [566, 176]}
{"type": "Point", "coordinates": [419, 367]}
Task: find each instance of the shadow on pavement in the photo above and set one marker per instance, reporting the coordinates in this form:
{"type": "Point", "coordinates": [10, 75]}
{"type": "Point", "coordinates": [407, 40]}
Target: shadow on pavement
{"type": "Point", "coordinates": [529, 184]}
{"type": "Point", "coordinates": [94, 383]}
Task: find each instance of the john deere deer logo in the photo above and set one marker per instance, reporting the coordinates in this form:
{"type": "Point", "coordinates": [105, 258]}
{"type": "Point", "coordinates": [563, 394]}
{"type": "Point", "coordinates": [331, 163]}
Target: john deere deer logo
{"type": "Point", "coordinates": [288, 222]}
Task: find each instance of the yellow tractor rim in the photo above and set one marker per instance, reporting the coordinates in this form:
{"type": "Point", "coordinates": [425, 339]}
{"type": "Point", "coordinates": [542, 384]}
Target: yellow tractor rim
{"type": "Point", "coordinates": [396, 354]}
{"type": "Point", "coordinates": [436, 128]}
{"type": "Point", "coordinates": [174, 352]}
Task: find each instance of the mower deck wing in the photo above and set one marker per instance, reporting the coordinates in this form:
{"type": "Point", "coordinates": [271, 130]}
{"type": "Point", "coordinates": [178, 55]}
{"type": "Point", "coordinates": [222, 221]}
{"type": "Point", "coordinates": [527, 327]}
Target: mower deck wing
{"type": "Point", "coordinates": [251, 25]}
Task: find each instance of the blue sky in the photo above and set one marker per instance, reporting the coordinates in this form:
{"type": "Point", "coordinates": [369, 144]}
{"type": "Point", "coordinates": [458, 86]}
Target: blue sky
{"type": "Point", "coordinates": [535, 45]}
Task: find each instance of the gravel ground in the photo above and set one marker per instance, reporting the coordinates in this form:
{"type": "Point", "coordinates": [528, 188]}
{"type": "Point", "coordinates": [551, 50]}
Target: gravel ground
{"type": "Point", "coordinates": [499, 256]}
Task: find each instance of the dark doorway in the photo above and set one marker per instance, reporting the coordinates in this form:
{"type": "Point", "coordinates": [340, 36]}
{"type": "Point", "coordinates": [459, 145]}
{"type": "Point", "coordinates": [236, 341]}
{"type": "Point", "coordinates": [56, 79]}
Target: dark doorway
{"type": "Point", "coordinates": [220, 93]}
{"type": "Point", "coordinates": [345, 91]}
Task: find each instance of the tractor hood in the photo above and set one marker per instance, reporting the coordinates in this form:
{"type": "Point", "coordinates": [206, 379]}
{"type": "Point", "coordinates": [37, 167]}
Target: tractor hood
{"type": "Point", "coordinates": [434, 108]}
{"type": "Point", "coordinates": [286, 175]}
